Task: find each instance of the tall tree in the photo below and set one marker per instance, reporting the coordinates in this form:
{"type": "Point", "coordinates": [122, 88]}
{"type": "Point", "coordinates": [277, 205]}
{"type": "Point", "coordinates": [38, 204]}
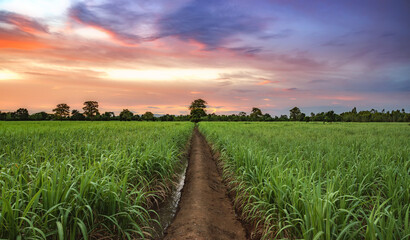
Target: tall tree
{"type": "Point", "coordinates": [198, 110]}
{"type": "Point", "coordinates": [62, 111]}
{"type": "Point", "coordinates": [126, 115]}
{"type": "Point", "coordinates": [148, 116]}
{"type": "Point", "coordinates": [330, 116]}
{"type": "Point", "coordinates": [354, 110]}
{"type": "Point", "coordinates": [256, 114]}
{"type": "Point", "coordinates": [21, 114]}
{"type": "Point", "coordinates": [91, 108]}
{"type": "Point", "coordinates": [295, 114]}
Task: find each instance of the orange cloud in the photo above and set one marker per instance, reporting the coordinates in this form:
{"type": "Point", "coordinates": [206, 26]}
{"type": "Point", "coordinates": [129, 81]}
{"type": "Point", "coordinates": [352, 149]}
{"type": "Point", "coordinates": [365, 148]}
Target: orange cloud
{"type": "Point", "coordinates": [265, 81]}
{"type": "Point", "coordinates": [21, 44]}
{"type": "Point", "coordinates": [16, 39]}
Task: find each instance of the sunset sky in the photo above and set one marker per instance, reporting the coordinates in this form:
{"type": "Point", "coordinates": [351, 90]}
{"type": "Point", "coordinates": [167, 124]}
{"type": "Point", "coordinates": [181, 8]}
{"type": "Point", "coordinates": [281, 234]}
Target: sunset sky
{"type": "Point", "coordinates": [158, 56]}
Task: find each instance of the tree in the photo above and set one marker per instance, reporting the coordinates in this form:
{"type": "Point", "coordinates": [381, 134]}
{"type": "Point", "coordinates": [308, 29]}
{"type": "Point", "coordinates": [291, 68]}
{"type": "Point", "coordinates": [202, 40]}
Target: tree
{"type": "Point", "coordinates": [39, 116]}
{"type": "Point", "coordinates": [148, 116]}
{"type": "Point", "coordinates": [295, 114]}
{"type": "Point", "coordinates": [243, 117]}
{"type": "Point", "coordinates": [198, 111]}
{"type": "Point", "coordinates": [21, 114]}
{"type": "Point", "coordinates": [267, 117]}
{"type": "Point", "coordinates": [126, 115]}
{"type": "Point", "coordinates": [354, 110]}
{"type": "Point", "coordinates": [76, 115]}
{"type": "Point", "coordinates": [330, 116]}
{"type": "Point", "coordinates": [62, 111]}
{"type": "Point", "coordinates": [167, 117]}
{"type": "Point", "coordinates": [302, 117]}
{"type": "Point", "coordinates": [283, 118]}
{"type": "Point", "coordinates": [3, 116]}
{"type": "Point", "coordinates": [136, 117]}
{"type": "Point", "coordinates": [91, 108]}
{"type": "Point", "coordinates": [256, 113]}
{"type": "Point", "coordinates": [107, 116]}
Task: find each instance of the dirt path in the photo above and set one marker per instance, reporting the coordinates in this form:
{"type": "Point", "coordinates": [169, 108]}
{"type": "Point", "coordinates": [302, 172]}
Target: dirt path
{"type": "Point", "coordinates": [205, 211]}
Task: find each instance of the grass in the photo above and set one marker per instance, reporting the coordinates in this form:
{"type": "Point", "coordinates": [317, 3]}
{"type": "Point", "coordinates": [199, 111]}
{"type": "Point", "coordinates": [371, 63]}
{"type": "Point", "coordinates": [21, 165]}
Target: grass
{"type": "Point", "coordinates": [72, 180]}
{"type": "Point", "coordinates": [319, 181]}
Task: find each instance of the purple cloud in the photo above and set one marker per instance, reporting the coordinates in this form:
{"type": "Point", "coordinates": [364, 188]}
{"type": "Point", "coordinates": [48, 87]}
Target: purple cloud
{"type": "Point", "coordinates": [117, 18]}
{"type": "Point", "coordinates": [210, 22]}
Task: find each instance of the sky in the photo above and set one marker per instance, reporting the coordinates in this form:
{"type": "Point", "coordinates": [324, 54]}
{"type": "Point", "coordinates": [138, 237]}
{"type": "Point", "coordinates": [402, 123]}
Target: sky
{"type": "Point", "coordinates": [160, 55]}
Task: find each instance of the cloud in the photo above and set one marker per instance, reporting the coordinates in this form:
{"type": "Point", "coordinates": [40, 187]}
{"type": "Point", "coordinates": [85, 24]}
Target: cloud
{"type": "Point", "coordinates": [317, 81]}
{"type": "Point", "coordinates": [301, 60]}
{"type": "Point", "coordinates": [246, 50]}
{"type": "Point", "coordinates": [209, 22]}
{"type": "Point", "coordinates": [285, 33]}
{"type": "Point", "coordinates": [22, 32]}
{"type": "Point", "coordinates": [243, 90]}
{"type": "Point", "coordinates": [23, 23]}
{"type": "Point", "coordinates": [380, 84]}
{"type": "Point", "coordinates": [266, 81]}
{"type": "Point", "coordinates": [224, 82]}
{"type": "Point", "coordinates": [117, 20]}
{"type": "Point", "coordinates": [16, 39]}
{"type": "Point", "coordinates": [341, 98]}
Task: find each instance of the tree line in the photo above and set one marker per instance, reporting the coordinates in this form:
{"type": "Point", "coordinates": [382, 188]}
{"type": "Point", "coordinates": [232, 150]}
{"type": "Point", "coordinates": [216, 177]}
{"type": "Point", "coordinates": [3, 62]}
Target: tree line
{"type": "Point", "coordinates": [90, 112]}
{"type": "Point", "coordinates": [296, 115]}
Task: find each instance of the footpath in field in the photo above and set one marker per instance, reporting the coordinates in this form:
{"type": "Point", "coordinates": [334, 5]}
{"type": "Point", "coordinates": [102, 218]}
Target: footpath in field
{"type": "Point", "coordinates": [205, 211]}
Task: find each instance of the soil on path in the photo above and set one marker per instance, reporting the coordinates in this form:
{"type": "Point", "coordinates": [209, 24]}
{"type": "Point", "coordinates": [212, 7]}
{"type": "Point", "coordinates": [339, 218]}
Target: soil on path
{"type": "Point", "coordinates": [204, 211]}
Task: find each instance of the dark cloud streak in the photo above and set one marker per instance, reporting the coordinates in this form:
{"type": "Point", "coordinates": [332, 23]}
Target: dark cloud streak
{"type": "Point", "coordinates": [23, 23]}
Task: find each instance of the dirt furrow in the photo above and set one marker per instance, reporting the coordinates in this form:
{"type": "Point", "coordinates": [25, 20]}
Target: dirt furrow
{"type": "Point", "coordinates": [204, 211]}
